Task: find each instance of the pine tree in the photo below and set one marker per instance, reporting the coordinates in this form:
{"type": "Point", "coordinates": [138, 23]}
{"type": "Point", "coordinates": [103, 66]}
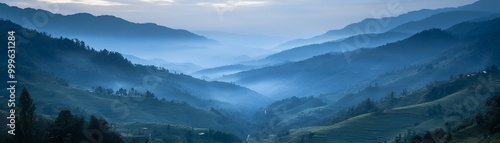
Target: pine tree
{"type": "Point", "coordinates": [66, 127]}
{"type": "Point", "coordinates": [102, 126]}
{"type": "Point", "coordinates": [27, 118]}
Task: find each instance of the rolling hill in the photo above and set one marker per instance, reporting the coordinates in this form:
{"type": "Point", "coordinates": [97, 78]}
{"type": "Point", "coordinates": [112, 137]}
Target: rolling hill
{"type": "Point", "coordinates": [444, 20]}
{"type": "Point", "coordinates": [339, 46]}
{"type": "Point", "coordinates": [84, 24]}
{"type": "Point", "coordinates": [388, 22]}
{"type": "Point", "coordinates": [51, 95]}
{"type": "Point", "coordinates": [350, 30]}
{"type": "Point", "coordinates": [110, 32]}
{"type": "Point", "coordinates": [216, 72]}
{"type": "Point", "coordinates": [349, 72]}
{"type": "Point", "coordinates": [175, 67]}
{"type": "Point", "coordinates": [427, 74]}
{"type": "Point", "coordinates": [305, 52]}
{"type": "Point", "coordinates": [419, 89]}
{"type": "Point", "coordinates": [449, 105]}
{"type": "Point", "coordinates": [86, 68]}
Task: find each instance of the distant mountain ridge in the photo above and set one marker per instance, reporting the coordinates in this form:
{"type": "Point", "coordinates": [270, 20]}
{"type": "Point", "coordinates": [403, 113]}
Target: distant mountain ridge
{"type": "Point", "coordinates": [87, 68]}
{"type": "Point", "coordinates": [339, 72]}
{"type": "Point", "coordinates": [465, 59]}
{"type": "Point", "coordinates": [176, 67]}
{"type": "Point", "coordinates": [393, 22]}
{"type": "Point", "coordinates": [337, 46]}
{"type": "Point", "coordinates": [84, 24]}
{"type": "Point", "coordinates": [216, 72]}
{"type": "Point", "coordinates": [243, 40]}
{"type": "Point", "coordinates": [444, 20]}
{"type": "Point", "coordinates": [305, 52]}
{"type": "Point", "coordinates": [440, 18]}
{"type": "Point", "coordinates": [110, 32]}
{"type": "Point", "coordinates": [349, 30]}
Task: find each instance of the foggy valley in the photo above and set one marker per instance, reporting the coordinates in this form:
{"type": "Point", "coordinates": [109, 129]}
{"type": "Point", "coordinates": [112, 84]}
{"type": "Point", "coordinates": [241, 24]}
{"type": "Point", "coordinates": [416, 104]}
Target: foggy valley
{"type": "Point", "coordinates": [421, 74]}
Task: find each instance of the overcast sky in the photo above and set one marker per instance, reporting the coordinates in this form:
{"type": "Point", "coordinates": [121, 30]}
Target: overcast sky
{"type": "Point", "coordinates": [284, 18]}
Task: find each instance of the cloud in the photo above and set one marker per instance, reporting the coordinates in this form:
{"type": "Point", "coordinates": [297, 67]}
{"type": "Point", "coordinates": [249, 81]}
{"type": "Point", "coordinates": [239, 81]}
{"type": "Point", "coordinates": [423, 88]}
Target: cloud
{"type": "Point", "coordinates": [84, 2]}
{"type": "Point", "coordinates": [231, 3]}
{"type": "Point", "coordinates": [159, 1]}
{"type": "Point", "coordinates": [152, 1]}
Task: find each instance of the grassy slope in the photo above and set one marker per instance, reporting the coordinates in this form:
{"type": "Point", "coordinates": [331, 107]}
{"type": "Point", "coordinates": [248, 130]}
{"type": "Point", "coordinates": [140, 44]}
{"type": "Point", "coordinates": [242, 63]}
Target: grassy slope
{"type": "Point", "coordinates": [50, 97]}
{"type": "Point", "coordinates": [463, 60]}
{"type": "Point", "coordinates": [171, 133]}
{"type": "Point", "coordinates": [374, 127]}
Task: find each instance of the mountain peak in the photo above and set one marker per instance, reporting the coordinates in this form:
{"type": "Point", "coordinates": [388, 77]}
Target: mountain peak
{"type": "Point", "coordinates": [85, 24]}
{"type": "Point", "coordinates": [483, 5]}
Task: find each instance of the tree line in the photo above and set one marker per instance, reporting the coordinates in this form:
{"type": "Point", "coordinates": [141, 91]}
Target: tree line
{"type": "Point", "coordinates": [65, 128]}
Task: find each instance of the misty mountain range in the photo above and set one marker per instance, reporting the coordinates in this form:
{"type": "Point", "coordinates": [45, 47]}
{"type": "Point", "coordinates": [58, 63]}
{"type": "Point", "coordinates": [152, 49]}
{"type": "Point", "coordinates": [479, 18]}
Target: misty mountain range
{"type": "Point", "coordinates": [88, 68]}
{"type": "Point", "coordinates": [350, 68]}
{"type": "Point", "coordinates": [107, 32]}
{"type": "Point", "coordinates": [87, 25]}
{"type": "Point", "coordinates": [337, 87]}
{"type": "Point", "coordinates": [388, 23]}
{"type": "Point", "coordinates": [399, 28]}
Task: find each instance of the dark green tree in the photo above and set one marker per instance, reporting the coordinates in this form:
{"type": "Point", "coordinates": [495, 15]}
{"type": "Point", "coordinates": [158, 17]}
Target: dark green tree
{"type": "Point", "coordinates": [66, 128]}
{"type": "Point", "coordinates": [27, 118]}
{"type": "Point", "coordinates": [492, 115]}
{"type": "Point", "coordinates": [99, 130]}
